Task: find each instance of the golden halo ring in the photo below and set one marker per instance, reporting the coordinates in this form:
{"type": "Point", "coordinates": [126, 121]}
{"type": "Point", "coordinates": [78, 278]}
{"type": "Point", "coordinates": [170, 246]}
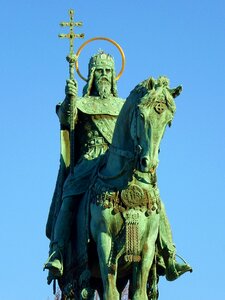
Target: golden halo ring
{"type": "Point", "coordinates": [102, 39]}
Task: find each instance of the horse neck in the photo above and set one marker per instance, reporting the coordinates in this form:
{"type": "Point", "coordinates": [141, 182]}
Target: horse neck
{"type": "Point", "coordinates": [119, 165]}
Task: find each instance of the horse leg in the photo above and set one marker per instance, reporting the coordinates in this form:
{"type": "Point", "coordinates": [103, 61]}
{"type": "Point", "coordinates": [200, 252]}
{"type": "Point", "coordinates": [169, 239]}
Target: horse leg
{"type": "Point", "coordinates": [152, 285]}
{"type": "Point", "coordinates": [140, 275]}
{"type": "Point", "coordinates": [104, 244]}
{"type": "Point", "coordinates": [142, 269]}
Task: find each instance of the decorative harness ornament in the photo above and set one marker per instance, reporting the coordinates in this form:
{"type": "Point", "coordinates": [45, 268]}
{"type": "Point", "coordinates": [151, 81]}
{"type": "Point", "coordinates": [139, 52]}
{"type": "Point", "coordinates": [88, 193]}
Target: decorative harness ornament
{"type": "Point", "coordinates": [133, 196]}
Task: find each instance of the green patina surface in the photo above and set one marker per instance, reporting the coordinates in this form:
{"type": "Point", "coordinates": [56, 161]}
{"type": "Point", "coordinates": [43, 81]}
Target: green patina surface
{"type": "Point", "coordinates": [106, 193]}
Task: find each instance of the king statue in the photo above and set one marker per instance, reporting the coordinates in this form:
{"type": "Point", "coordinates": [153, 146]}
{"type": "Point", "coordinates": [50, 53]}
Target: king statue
{"type": "Point", "coordinates": [93, 117]}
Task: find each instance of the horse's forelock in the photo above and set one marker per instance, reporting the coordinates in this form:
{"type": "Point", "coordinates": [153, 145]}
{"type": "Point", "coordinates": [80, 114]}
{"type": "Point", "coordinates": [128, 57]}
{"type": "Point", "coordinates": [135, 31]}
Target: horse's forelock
{"type": "Point", "coordinates": [152, 96]}
{"type": "Point", "coordinates": [145, 95]}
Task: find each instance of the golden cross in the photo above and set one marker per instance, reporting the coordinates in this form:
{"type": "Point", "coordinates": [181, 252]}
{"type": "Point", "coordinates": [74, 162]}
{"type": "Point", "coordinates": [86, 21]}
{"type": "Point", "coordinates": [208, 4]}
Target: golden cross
{"type": "Point", "coordinates": [71, 58]}
{"type": "Point", "coordinates": [71, 35]}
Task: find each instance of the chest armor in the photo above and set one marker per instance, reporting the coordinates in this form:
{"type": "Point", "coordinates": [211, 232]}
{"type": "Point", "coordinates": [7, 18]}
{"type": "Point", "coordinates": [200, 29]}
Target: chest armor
{"type": "Point", "coordinates": [95, 126]}
{"type": "Point", "coordinates": [93, 134]}
{"type": "Point", "coordinates": [103, 113]}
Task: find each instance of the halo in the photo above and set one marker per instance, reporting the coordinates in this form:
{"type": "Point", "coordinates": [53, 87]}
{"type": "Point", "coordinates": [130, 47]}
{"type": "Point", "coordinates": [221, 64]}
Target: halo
{"type": "Point", "coordinates": [102, 39]}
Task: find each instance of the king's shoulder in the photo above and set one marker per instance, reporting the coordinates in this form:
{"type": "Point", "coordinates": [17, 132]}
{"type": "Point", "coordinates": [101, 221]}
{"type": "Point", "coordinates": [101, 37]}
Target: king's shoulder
{"type": "Point", "coordinates": [96, 105]}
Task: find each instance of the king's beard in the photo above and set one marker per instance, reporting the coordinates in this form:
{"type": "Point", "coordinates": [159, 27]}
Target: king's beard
{"type": "Point", "coordinates": [103, 87]}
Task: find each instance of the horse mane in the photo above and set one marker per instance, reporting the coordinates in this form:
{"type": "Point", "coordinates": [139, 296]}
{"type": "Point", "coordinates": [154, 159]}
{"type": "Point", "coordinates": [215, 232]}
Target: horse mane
{"type": "Point", "coordinates": [138, 92]}
{"type": "Point", "coordinates": [124, 119]}
{"type": "Point", "coordinates": [149, 91]}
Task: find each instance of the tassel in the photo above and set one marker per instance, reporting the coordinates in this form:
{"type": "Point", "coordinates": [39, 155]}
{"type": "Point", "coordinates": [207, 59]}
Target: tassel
{"type": "Point", "coordinates": [132, 236]}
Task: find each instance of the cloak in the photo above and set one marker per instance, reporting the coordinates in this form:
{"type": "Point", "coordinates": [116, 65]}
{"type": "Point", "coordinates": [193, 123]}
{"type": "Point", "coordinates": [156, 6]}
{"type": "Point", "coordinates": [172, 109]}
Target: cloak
{"type": "Point", "coordinates": [96, 108]}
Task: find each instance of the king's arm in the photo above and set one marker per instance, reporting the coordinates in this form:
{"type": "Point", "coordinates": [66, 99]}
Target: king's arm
{"type": "Point", "coordinates": [63, 112]}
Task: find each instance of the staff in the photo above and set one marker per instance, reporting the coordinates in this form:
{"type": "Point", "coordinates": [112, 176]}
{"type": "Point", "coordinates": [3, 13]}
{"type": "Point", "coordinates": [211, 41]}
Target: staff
{"type": "Point", "coordinates": [71, 58]}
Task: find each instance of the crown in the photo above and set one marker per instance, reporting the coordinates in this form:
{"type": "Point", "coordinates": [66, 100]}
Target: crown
{"type": "Point", "coordinates": [101, 59]}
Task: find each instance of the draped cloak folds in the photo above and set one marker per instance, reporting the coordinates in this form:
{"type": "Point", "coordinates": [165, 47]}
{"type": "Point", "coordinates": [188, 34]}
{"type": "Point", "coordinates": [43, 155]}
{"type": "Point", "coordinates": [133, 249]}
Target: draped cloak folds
{"type": "Point", "coordinates": [103, 113]}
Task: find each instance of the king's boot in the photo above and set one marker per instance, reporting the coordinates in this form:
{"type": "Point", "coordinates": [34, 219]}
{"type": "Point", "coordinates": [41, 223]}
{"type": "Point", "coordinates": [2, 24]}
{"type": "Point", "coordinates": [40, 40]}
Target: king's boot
{"type": "Point", "coordinates": [173, 268]}
{"type": "Point", "coordinates": [55, 261]}
{"type": "Point", "coordinates": [61, 237]}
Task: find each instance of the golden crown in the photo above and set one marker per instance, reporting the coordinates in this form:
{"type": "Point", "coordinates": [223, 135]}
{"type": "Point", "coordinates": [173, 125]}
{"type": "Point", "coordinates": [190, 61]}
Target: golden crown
{"type": "Point", "coordinates": [101, 59]}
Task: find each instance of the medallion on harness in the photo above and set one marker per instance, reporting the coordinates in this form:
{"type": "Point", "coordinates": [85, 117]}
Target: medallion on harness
{"type": "Point", "coordinates": [133, 196]}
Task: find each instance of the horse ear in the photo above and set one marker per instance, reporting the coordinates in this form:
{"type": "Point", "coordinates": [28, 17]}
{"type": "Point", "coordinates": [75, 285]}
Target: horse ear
{"type": "Point", "coordinates": [176, 92]}
{"type": "Point", "coordinates": [151, 83]}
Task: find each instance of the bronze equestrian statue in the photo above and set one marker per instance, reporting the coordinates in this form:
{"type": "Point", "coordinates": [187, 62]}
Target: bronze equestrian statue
{"type": "Point", "coordinates": [111, 195]}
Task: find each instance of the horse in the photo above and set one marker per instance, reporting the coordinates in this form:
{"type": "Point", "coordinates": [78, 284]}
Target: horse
{"type": "Point", "coordinates": [125, 205]}
{"type": "Point", "coordinates": [123, 199]}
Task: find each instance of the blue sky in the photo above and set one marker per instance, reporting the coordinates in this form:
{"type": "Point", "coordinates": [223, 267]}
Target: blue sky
{"type": "Point", "coordinates": [184, 40]}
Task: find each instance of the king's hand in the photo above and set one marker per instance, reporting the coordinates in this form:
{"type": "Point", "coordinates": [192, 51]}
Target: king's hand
{"type": "Point", "coordinates": [71, 88]}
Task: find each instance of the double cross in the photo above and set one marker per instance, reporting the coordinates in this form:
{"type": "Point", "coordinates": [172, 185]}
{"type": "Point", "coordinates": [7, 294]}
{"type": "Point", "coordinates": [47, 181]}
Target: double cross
{"type": "Point", "coordinates": [71, 36]}
{"type": "Point", "coordinates": [71, 58]}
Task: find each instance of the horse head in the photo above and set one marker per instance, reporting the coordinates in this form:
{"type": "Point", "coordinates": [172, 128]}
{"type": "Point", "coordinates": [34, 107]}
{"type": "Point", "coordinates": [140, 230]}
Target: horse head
{"type": "Point", "coordinates": [154, 111]}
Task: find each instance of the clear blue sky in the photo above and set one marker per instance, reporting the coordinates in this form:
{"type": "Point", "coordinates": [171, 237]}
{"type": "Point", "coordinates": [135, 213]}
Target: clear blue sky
{"type": "Point", "coordinates": [184, 40]}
